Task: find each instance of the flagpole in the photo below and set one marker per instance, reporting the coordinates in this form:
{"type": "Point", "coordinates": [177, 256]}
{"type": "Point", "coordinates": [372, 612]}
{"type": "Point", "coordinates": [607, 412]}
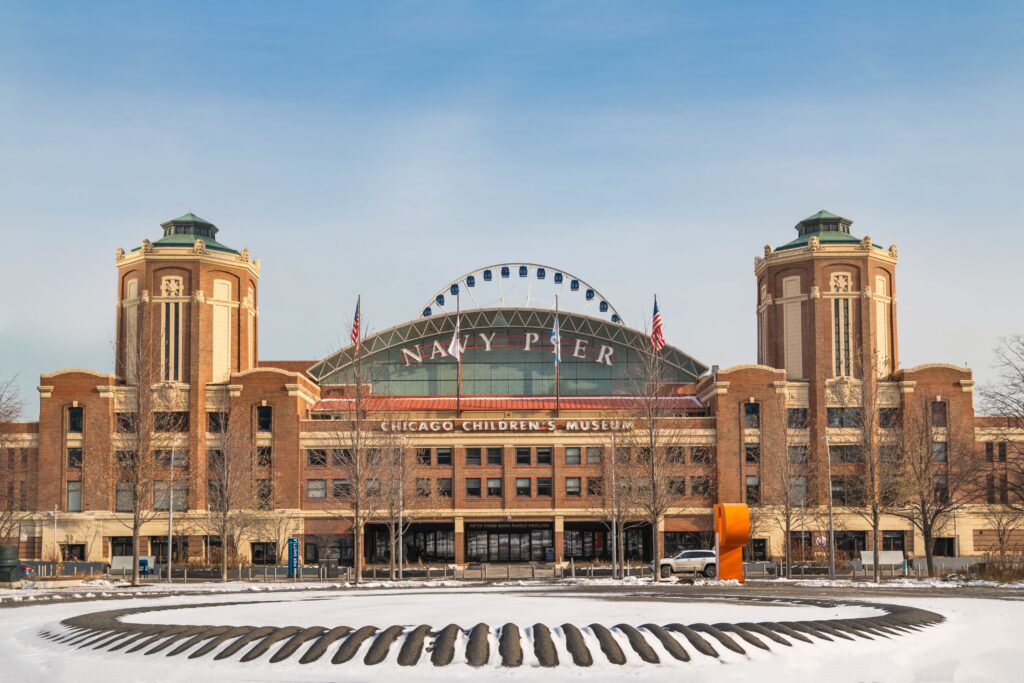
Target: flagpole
{"type": "Point", "coordinates": [558, 340]}
{"type": "Point", "coordinates": [458, 342]}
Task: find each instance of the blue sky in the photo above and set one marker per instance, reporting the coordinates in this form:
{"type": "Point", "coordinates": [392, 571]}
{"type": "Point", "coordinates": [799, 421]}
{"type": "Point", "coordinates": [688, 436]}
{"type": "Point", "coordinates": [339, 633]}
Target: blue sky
{"type": "Point", "coordinates": [384, 148]}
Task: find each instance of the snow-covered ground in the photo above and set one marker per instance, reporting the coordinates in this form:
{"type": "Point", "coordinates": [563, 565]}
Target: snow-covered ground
{"type": "Point", "coordinates": [979, 641]}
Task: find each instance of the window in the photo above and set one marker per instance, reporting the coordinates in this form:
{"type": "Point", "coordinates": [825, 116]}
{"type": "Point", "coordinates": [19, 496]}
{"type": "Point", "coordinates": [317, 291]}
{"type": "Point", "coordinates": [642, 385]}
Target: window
{"type": "Point", "coordinates": [677, 486]}
{"type": "Point", "coordinates": [751, 415]}
{"type": "Point", "coordinates": [341, 488]}
{"type": "Point", "coordinates": [74, 496]}
{"type": "Point", "coordinates": [944, 547]}
{"type": "Point", "coordinates": [373, 487]}
{"type": "Point", "coordinates": [494, 487]}
{"type": "Point", "coordinates": [423, 488]}
{"type": "Point", "coordinates": [841, 325]}
{"type": "Point", "coordinates": [544, 455]}
{"type": "Point", "coordinates": [522, 455]}
{"type": "Point", "coordinates": [494, 456]}
{"type": "Point", "coordinates": [174, 458]}
{"type": "Point", "coordinates": [264, 553]}
{"type": "Point", "coordinates": [166, 492]}
{"type": "Point", "coordinates": [444, 488]}
{"type": "Point", "coordinates": [851, 542]}
{"type": "Point", "coordinates": [264, 456]}
{"type": "Point", "coordinates": [753, 486]}
{"type": "Point", "coordinates": [990, 487]}
{"type": "Point", "coordinates": [124, 498]}
{"type": "Point", "coordinates": [423, 456]}
{"type": "Point", "coordinates": [1002, 452]}
{"type": "Point", "coordinates": [171, 422]}
{"type": "Point", "coordinates": [121, 546]}
{"type": "Point", "coordinates": [700, 455]}
{"type": "Point", "coordinates": [700, 486]}
{"type": "Point", "coordinates": [472, 488]}
{"type": "Point", "coordinates": [72, 552]}
{"type": "Point", "coordinates": [675, 455]}
{"type": "Point", "coordinates": [752, 452]}
{"type": "Point", "coordinates": [796, 418]}
{"type": "Point", "coordinates": [215, 460]}
{"type": "Point", "coordinates": [523, 487]}
{"type": "Point", "coordinates": [893, 540]}
{"type": "Point", "coordinates": [845, 417]}
{"type": "Point", "coordinates": [889, 453]}
{"type": "Point", "coordinates": [797, 454]}
{"type": "Point", "coordinates": [573, 456]}
{"type": "Point", "coordinates": [939, 414]}
{"type": "Point", "coordinates": [340, 457]}
{"type": "Point", "coordinates": [264, 494]}
{"type": "Point", "coordinates": [124, 423]}
{"type": "Point", "coordinates": [798, 491]}
{"type": "Point", "coordinates": [544, 486]}
{"type": "Point", "coordinates": [472, 456]}
{"type": "Point", "coordinates": [75, 419]}
{"type": "Point", "coordinates": [444, 456]}
{"type": "Point", "coordinates": [940, 451]}
{"type": "Point", "coordinates": [316, 488]}
{"type": "Point", "coordinates": [594, 454]}
{"type": "Point", "coordinates": [573, 486]}
{"type": "Point", "coordinates": [990, 451]}
{"type": "Point", "coordinates": [941, 488]}
{"type": "Point", "coordinates": [216, 496]}
{"type": "Point", "coordinates": [847, 491]}
{"type": "Point", "coordinates": [216, 422]}
{"type": "Point", "coordinates": [264, 419]}
{"type": "Point", "coordinates": [595, 486]}
{"type": "Point", "coordinates": [316, 457]}
{"type": "Point", "coordinates": [888, 418]}
{"type": "Point", "coordinates": [849, 453]}
{"type": "Point", "coordinates": [75, 458]}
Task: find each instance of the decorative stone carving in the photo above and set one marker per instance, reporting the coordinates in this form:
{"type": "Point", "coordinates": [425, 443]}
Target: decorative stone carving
{"type": "Point", "coordinates": [198, 296]}
{"type": "Point", "coordinates": [893, 251]}
{"type": "Point", "coordinates": [815, 292]}
{"type": "Point", "coordinates": [199, 247]}
{"type": "Point", "coordinates": [171, 286]}
{"type": "Point", "coordinates": [244, 256]}
{"type": "Point", "coordinates": [257, 265]}
{"type": "Point", "coordinates": [758, 262]}
{"type": "Point", "coordinates": [145, 296]}
{"type": "Point", "coordinates": [841, 282]}
{"type": "Point", "coordinates": [866, 293]}
{"type": "Point", "coordinates": [866, 242]}
{"type": "Point", "coordinates": [147, 246]}
{"type": "Point", "coordinates": [249, 301]}
{"type": "Point", "coordinates": [119, 254]}
{"type": "Point", "coordinates": [767, 250]}
{"type": "Point", "coordinates": [814, 244]}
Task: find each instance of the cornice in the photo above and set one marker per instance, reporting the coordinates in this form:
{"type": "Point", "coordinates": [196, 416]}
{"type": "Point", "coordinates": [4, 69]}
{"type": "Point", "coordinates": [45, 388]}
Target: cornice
{"type": "Point", "coordinates": [190, 254]}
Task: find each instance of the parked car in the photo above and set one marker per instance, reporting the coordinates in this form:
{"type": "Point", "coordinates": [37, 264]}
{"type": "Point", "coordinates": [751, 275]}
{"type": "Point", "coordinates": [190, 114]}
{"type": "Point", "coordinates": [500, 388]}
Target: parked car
{"type": "Point", "coordinates": [689, 562]}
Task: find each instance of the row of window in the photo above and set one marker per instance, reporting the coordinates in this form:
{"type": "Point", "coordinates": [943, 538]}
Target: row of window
{"type": "Point", "coordinates": [15, 455]}
{"type": "Point", "coordinates": [170, 421]}
{"type": "Point", "coordinates": [542, 455]}
{"type": "Point", "coordinates": [845, 453]}
{"type": "Point", "coordinates": [797, 418]}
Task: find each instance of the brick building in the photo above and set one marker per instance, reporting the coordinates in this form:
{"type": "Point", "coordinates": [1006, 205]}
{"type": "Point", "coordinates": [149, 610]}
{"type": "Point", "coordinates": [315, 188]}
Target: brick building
{"type": "Point", "coordinates": [512, 467]}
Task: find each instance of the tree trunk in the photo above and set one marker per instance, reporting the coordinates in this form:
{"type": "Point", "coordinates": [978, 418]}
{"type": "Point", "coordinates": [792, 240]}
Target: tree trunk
{"type": "Point", "coordinates": [788, 549]}
{"type": "Point", "coordinates": [655, 555]}
{"type": "Point", "coordinates": [135, 553]}
{"type": "Point", "coordinates": [357, 552]}
{"type": "Point", "coordinates": [876, 573]}
{"type": "Point", "coordinates": [391, 555]}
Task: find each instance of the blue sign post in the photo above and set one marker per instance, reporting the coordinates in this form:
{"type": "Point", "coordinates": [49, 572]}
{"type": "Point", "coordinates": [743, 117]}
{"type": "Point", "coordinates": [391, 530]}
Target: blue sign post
{"type": "Point", "coordinates": [293, 557]}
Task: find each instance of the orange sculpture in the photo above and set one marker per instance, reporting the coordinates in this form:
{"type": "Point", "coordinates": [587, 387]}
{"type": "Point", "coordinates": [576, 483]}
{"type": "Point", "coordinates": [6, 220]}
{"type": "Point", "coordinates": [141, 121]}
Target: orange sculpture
{"type": "Point", "coordinates": [732, 532]}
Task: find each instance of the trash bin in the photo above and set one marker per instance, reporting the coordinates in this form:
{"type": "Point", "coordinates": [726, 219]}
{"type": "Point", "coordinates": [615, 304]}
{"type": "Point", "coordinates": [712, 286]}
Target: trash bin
{"type": "Point", "coordinates": [329, 568]}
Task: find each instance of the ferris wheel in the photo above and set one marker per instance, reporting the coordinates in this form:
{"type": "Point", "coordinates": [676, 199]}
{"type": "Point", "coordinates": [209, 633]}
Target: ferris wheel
{"type": "Point", "coordinates": [521, 285]}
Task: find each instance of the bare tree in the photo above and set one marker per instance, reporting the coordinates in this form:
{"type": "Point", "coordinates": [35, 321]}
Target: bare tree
{"type": "Point", "coordinates": [142, 475]}
{"type": "Point", "coordinates": [234, 496]}
{"type": "Point", "coordinates": [877, 480]}
{"type": "Point", "coordinates": [935, 477]}
{"type": "Point", "coordinates": [655, 430]}
{"type": "Point", "coordinates": [788, 483]}
{"type": "Point", "coordinates": [1003, 401]}
{"type": "Point", "coordinates": [406, 494]}
{"type": "Point", "coordinates": [1007, 522]}
{"type": "Point", "coordinates": [359, 449]}
{"type": "Point", "coordinates": [12, 472]}
{"type": "Point", "coordinates": [618, 501]}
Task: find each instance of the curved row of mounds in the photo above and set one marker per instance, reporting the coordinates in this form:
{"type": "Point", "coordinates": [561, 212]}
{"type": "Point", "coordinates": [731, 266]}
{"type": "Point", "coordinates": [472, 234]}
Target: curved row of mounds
{"type": "Point", "coordinates": [424, 643]}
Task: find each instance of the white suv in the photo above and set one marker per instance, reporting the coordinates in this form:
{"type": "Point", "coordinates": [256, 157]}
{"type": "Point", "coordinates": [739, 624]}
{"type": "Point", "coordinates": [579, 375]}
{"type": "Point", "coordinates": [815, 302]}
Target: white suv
{"type": "Point", "coordinates": [689, 562]}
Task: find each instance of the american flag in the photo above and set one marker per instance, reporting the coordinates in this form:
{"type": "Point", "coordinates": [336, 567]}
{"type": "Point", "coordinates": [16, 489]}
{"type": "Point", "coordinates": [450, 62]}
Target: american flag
{"type": "Point", "coordinates": [355, 325]}
{"type": "Point", "coordinates": [657, 334]}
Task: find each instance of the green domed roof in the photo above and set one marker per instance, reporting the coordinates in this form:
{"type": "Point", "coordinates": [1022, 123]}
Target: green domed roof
{"type": "Point", "coordinates": [826, 226]}
{"type": "Point", "coordinates": [183, 231]}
